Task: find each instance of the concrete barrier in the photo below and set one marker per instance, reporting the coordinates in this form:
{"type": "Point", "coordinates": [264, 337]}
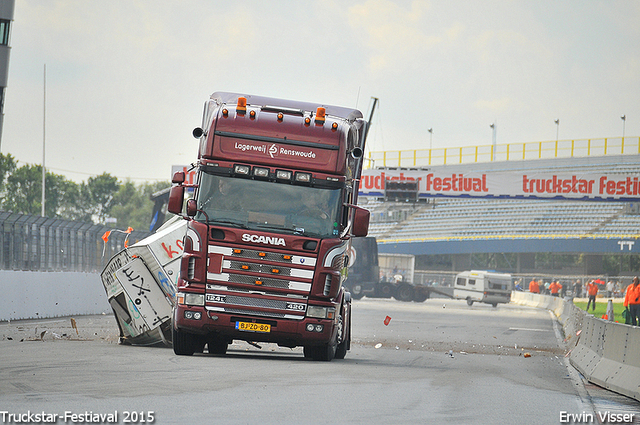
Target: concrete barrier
{"type": "Point", "coordinates": [619, 366]}
{"type": "Point", "coordinates": [605, 352]}
{"type": "Point", "coordinates": [30, 295]}
{"type": "Point", "coordinates": [590, 348]}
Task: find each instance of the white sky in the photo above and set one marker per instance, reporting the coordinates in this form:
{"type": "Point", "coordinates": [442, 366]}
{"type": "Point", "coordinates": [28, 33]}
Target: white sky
{"type": "Point", "coordinates": [127, 79]}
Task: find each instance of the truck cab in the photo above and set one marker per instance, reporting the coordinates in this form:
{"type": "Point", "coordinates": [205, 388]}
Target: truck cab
{"type": "Point", "coordinates": [269, 226]}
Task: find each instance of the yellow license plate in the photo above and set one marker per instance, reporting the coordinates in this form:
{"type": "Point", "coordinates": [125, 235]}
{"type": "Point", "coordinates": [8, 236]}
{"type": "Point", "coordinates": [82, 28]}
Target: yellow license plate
{"type": "Point", "coordinates": [253, 327]}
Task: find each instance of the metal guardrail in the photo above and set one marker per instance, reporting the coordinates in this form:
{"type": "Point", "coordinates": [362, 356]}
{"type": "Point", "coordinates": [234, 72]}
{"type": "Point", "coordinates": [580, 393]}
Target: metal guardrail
{"type": "Point", "coordinates": [35, 243]}
{"type": "Point", "coordinates": [506, 152]}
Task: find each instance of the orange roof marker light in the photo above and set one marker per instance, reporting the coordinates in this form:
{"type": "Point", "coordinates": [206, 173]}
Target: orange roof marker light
{"type": "Point", "coordinates": [242, 106]}
{"type": "Point", "coordinates": [320, 112]}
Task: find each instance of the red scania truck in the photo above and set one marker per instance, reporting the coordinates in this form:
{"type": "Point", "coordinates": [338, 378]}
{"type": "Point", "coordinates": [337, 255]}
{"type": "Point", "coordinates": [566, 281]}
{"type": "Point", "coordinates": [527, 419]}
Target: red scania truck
{"type": "Point", "coordinates": [269, 226]}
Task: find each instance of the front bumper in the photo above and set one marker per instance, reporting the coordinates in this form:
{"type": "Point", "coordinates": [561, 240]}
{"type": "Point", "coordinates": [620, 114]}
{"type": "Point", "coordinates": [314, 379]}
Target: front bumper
{"type": "Point", "coordinates": [285, 332]}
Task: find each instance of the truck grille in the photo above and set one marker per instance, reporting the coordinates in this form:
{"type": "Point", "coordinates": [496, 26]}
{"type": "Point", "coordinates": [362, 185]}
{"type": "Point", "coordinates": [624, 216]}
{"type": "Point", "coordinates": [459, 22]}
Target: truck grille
{"type": "Point", "coordinates": [277, 290]}
{"type": "Point", "coordinates": [256, 313]}
{"type": "Point", "coordinates": [256, 302]}
{"type": "Point", "coordinates": [292, 309]}
{"type": "Point", "coordinates": [260, 268]}
{"type": "Point", "coordinates": [256, 255]}
{"type": "Point", "coordinates": [266, 282]}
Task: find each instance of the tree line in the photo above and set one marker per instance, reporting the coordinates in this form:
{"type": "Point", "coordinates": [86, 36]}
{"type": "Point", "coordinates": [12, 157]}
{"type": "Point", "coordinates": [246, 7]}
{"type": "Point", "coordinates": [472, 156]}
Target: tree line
{"type": "Point", "coordinates": [99, 198]}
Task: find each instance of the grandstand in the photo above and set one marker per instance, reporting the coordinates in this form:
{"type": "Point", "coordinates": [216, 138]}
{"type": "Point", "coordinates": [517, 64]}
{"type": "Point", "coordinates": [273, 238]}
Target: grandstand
{"type": "Point", "coordinates": [525, 227]}
{"type": "Point", "coordinates": [488, 219]}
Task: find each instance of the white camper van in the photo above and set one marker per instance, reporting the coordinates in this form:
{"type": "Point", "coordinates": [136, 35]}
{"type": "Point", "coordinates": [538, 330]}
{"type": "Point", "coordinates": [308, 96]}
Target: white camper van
{"type": "Point", "coordinates": [482, 286]}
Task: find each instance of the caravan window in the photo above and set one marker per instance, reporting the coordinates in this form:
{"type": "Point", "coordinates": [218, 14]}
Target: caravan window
{"type": "Point", "coordinates": [472, 281]}
{"type": "Point", "coordinates": [503, 284]}
{"type": "Point", "coordinates": [461, 281]}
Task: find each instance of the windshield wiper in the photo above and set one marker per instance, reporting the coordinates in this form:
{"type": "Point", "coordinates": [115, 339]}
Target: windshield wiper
{"type": "Point", "coordinates": [237, 223]}
{"type": "Point", "coordinates": [295, 230]}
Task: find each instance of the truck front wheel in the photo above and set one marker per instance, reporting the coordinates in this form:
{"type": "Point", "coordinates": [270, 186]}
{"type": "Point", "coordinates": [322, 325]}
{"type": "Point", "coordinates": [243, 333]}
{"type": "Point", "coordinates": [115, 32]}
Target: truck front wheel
{"type": "Point", "coordinates": [217, 345]}
{"type": "Point", "coordinates": [345, 344]}
{"type": "Point", "coordinates": [404, 292]}
{"type": "Point", "coordinates": [184, 344]}
{"type": "Point", "coordinates": [420, 295]}
{"type": "Point", "coordinates": [323, 353]}
{"type": "Point", "coordinates": [356, 292]}
{"type": "Point", "coordinates": [384, 290]}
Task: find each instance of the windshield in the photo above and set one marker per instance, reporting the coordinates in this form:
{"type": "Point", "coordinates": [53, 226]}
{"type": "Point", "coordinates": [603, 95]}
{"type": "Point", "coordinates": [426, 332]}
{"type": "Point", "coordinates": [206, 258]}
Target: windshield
{"type": "Point", "coordinates": [268, 206]}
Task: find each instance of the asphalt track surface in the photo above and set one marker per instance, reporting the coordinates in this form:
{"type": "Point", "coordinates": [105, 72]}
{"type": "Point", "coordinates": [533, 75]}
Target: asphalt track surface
{"type": "Point", "coordinates": [440, 361]}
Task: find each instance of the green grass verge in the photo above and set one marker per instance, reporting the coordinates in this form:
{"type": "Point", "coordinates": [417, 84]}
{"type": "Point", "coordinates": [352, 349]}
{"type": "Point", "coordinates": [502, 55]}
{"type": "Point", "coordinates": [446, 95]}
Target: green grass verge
{"type": "Point", "coordinates": [601, 309]}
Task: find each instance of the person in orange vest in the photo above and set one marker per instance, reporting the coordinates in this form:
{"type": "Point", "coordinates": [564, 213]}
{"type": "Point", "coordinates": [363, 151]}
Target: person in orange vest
{"type": "Point", "coordinates": [533, 287]}
{"type": "Point", "coordinates": [632, 301]}
{"type": "Point", "coordinates": [592, 291]}
{"type": "Point", "coordinates": [555, 288]}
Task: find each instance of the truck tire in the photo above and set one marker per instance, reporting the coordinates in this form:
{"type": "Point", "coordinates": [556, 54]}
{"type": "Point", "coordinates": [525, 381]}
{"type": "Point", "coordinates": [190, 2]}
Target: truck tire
{"type": "Point", "coordinates": [323, 353]}
{"type": "Point", "coordinates": [384, 290]}
{"type": "Point", "coordinates": [356, 292]}
{"type": "Point", "coordinates": [345, 344]}
{"type": "Point", "coordinates": [404, 292]}
{"type": "Point", "coordinates": [184, 344]}
{"type": "Point", "coordinates": [420, 295]}
{"type": "Point", "coordinates": [217, 345]}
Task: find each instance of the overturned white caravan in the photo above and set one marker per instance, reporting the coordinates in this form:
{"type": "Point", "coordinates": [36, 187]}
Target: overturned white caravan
{"type": "Point", "coordinates": [140, 282]}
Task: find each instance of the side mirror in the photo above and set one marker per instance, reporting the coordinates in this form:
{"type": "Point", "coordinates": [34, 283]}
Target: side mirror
{"type": "Point", "coordinates": [192, 207]}
{"type": "Point", "coordinates": [360, 221]}
{"type": "Point", "coordinates": [176, 198]}
{"type": "Point", "coordinates": [178, 177]}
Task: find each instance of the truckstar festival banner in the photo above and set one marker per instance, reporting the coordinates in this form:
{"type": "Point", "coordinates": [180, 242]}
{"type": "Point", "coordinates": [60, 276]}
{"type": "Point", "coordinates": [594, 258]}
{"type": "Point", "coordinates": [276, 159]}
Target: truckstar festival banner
{"type": "Point", "coordinates": [507, 184]}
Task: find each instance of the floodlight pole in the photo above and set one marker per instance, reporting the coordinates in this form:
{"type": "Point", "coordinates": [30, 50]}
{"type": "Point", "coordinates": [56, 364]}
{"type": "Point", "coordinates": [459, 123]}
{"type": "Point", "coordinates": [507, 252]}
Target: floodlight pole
{"type": "Point", "coordinates": [493, 127]}
{"type": "Point", "coordinates": [44, 118]}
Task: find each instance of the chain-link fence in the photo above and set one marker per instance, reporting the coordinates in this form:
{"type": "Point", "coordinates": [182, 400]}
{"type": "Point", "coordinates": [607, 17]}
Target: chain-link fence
{"type": "Point", "coordinates": [35, 243]}
{"type": "Point", "coordinates": [572, 284]}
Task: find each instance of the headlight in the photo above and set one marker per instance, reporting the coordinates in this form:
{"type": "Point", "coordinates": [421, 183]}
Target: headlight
{"type": "Point", "coordinates": [315, 328]}
{"type": "Point", "coordinates": [321, 312]}
{"type": "Point", "coordinates": [190, 299]}
{"type": "Point", "coordinates": [192, 315]}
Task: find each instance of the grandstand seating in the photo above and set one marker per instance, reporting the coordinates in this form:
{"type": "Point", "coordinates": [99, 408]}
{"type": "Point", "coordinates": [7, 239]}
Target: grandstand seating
{"type": "Point", "coordinates": [451, 218]}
